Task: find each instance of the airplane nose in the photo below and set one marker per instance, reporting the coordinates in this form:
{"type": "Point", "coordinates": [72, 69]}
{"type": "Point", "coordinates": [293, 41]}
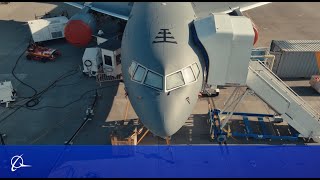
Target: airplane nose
{"type": "Point", "coordinates": [171, 122]}
{"type": "Point", "coordinates": [166, 122]}
{"type": "Point", "coordinates": [168, 114]}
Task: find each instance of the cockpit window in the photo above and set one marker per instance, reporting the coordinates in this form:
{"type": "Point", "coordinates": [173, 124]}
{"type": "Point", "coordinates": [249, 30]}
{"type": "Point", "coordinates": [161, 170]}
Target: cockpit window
{"type": "Point", "coordinates": [154, 80]}
{"type": "Point", "coordinates": [183, 77]}
{"type": "Point", "coordinates": [188, 75]}
{"type": "Point", "coordinates": [138, 75]}
{"type": "Point", "coordinates": [174, 80]}
{"type": "Point", "coordinates": [132, 68]}
{"type": "Point", "coordinates": [195, 69]}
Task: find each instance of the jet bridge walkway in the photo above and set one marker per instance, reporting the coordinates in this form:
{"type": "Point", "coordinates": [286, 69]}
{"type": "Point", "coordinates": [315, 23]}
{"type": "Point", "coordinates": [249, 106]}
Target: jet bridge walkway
{"type": "Point", "coordinates": [290, 106]}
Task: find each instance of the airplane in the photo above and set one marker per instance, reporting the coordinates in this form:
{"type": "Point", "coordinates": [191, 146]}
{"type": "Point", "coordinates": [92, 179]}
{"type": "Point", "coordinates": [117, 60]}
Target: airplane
{"type": "Point", "coordinates": [162, 67]}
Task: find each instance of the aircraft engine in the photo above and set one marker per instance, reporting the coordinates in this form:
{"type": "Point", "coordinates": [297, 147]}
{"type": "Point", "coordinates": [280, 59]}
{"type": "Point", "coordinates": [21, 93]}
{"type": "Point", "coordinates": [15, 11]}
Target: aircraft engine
{"type": "Point", "coordinates": [80, 28]}
{"type": "Point", "coordinates": [256, 33]}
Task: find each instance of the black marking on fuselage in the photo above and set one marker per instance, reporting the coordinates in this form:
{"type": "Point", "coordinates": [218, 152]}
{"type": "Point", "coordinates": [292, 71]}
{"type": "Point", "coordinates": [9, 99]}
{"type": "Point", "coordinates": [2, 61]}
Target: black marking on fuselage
{"type": "Point", "coordinates": [164, 37]}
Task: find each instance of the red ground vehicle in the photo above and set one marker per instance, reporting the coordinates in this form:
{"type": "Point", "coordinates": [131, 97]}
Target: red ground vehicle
{"type": "Point", "coordinates": [40, 53]}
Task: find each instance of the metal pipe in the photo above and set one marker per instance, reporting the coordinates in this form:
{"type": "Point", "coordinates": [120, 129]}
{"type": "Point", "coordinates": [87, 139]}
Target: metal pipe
{"type": "Point", "coordinates": [143, 136]}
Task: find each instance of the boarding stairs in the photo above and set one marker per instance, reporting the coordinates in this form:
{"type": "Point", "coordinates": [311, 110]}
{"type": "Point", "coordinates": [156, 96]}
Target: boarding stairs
{"type": "Point", "coordinates": [283, 100]}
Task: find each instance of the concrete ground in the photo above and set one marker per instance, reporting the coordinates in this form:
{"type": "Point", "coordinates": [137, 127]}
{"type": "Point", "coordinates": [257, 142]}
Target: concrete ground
{"type": "Point", "coordinates": [286, 21]}
{"type": "Point", "coordinates": [70, 97]}
{"type": "Point", "coordinates": [56, 124]}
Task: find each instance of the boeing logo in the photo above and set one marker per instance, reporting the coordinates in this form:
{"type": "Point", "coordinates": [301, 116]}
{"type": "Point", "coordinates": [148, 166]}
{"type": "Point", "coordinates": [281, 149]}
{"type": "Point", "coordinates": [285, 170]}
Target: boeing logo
{"type": "Point", "coordinates": [17, 162]}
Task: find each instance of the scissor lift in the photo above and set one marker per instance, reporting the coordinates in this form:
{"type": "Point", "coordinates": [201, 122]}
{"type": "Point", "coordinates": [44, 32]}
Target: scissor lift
{"type": "Point", "coordinates": [216, 133]}
{"type": "Point", "coordinates": [282, 99]}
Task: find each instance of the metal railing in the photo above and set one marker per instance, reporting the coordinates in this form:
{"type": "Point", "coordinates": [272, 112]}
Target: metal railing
{"type": "Point", "coordinates": [294, 95]}
{"type": "Point", "coordinates": [276, 90]}
{"type": "Point", "coordinates": [102, 77]}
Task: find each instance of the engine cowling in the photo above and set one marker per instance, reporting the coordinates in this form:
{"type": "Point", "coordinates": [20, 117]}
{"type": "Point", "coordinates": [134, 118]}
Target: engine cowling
{"type": "Point", "coordinates": [256, 33]}
{"type": "Point", "coordinates": [80, 28]}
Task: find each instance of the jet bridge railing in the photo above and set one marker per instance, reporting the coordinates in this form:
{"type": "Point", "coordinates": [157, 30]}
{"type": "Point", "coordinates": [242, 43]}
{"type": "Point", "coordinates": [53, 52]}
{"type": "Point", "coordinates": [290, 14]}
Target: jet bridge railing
{"type": "Point", "coordinates": [286, 88]}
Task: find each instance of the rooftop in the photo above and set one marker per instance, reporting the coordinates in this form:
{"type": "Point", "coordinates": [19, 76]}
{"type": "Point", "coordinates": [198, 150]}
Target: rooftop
{"type": "Point", "coordinates": [111, 44]}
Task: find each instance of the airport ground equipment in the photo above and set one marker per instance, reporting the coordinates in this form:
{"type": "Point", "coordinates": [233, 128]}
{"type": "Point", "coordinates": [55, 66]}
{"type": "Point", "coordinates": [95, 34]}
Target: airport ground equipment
{"type": "Point", "coordinates": [103, 61]}
{"type": "Point", "coordinates": [221, 135]}
{"type": "Point", "coordinates": [127, 132]}
{"type": "Point", "coordinates": [47, 29]}
{"type": "Point", "coordinates": [315, 79]}
{"type": "Point", "coordinates": [315, 82]}
{"type": "Point", "coordinates": [282, 99]}
{"type": "Point", "coordinates": [111, 61]}
{"type": "Point", "coordinates": [232, 37]}
{"type": "Point", "coordinates": [111, 56]}
{"type": "Point", "coordinates": [7, 93]}
{"type": "Point", "coordinates": [215, 131]}
{"type": "Point", "coordinates": [263, 54]}
{"type": "Point", "coordinates": [92, 61]}
{"type": "Point", "coordinates": [295, 58]}
{"type": "Point", "coordinates": [40, 53]}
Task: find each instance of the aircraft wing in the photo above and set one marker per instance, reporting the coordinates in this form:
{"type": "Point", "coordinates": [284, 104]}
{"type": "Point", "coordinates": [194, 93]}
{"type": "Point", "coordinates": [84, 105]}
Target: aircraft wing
{"type": "Point", "coordinates": [79, 5]}
{"type": "Point", "coordinates": [122, 9]}
{"type": "Point", "coordinates": [116, 9]}
{"type": "Point", "coordinates": [205, 8]}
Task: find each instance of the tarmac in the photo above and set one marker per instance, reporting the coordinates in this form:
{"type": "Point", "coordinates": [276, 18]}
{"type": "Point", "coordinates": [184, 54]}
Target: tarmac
{"type": "Point", "coordinates": [62, 108]}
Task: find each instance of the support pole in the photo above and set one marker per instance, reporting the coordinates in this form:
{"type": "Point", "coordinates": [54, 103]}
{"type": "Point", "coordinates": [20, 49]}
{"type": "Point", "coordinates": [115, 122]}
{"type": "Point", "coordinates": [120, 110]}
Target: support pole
{"type": "Point", "coordinates": [168, 140]}
{"type": "Point", "coordinates": [143, 136]}
{"type": "Point", "coordinates": [236, 103]}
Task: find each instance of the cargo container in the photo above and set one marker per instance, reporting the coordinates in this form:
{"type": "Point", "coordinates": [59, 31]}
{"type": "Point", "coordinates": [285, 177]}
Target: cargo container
{"type": "Point", "coordinates": [295, 58]}
{"type": "Point", "coordinates": [47, 29]}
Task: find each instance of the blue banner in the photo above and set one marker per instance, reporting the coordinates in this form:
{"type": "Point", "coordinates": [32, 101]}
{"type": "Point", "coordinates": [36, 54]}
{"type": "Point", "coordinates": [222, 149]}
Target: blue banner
{"type": "Point", "coordinates": [160, 161]}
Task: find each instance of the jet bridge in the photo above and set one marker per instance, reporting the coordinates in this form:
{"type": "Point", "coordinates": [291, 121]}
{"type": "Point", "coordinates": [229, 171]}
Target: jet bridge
{"type": "Point", "coordinates": [226, 43]}
{"type": "Point", "coordinates": [232, 37]}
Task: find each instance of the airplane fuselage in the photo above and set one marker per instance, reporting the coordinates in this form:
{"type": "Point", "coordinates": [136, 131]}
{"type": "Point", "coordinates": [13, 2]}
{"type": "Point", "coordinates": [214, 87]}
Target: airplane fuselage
{"type": "Point", "coordinates": [162, 68]}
